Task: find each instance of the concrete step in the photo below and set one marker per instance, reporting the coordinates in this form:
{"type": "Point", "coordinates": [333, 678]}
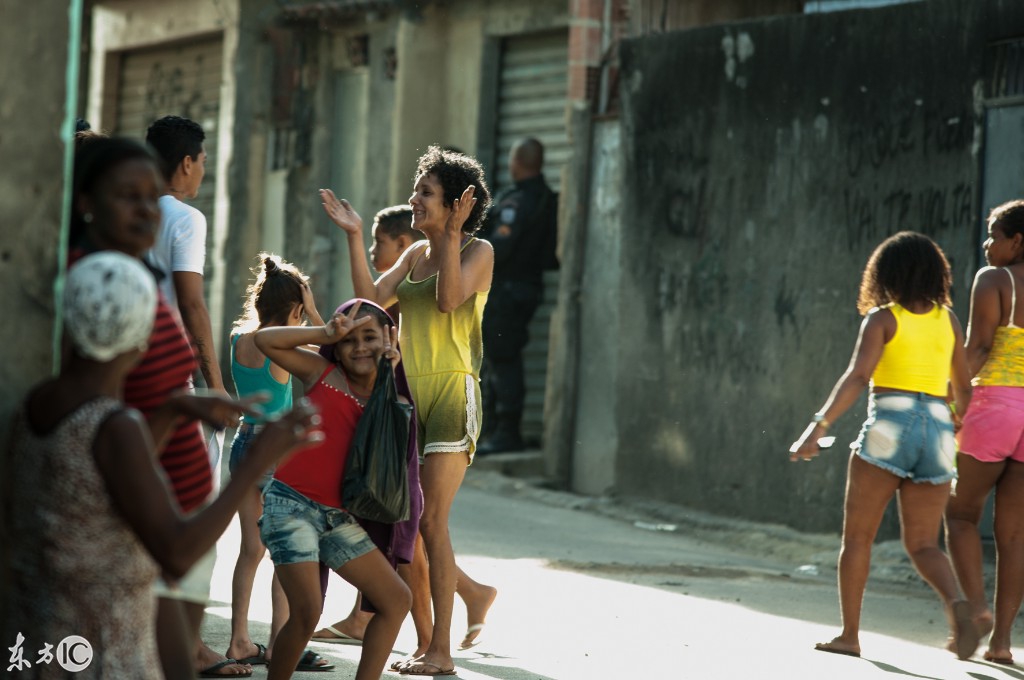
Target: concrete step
{"type": "Point", "coordinates": [518, 464]}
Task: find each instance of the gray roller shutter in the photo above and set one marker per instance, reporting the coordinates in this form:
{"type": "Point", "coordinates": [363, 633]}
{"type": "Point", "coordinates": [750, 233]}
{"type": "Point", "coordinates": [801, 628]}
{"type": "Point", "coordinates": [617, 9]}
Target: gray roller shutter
{"type": "Point", "coordinates": [183, 80]}
{"type": "Point", "coordinates": [531, 102]}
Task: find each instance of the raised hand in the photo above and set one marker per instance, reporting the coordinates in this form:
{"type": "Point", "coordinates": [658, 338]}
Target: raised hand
{"type": "Point", "coordinates": [309, 305]}
{"type": "Point", "coordinates": [341, 212]}
{"type": "Point", "coordinates": [461, 209]}
{"type": "Point", "coordinates": [391, 346]}
{"type": "Point", "coordinates": [341, 325]}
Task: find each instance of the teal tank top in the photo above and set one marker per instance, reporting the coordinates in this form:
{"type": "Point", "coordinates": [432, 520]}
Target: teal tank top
{"type": "Point", "coordinates": [251, 380]}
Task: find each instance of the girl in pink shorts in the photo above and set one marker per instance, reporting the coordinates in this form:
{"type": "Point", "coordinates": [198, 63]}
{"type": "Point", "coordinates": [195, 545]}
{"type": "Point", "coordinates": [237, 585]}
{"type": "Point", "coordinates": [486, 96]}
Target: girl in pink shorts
{"type": "Point", "coordinates": [991, 441]}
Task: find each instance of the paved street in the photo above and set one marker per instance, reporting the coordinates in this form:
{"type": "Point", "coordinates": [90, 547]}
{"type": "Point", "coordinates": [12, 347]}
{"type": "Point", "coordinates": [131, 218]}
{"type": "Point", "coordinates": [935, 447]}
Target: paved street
{"type": "Point", "coordinates": [584, 592]}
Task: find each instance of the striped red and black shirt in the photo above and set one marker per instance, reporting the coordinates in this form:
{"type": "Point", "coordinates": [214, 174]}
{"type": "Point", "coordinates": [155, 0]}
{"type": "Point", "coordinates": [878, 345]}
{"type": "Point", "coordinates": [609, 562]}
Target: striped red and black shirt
{"type": "Point", "coordinates": [167, 367]}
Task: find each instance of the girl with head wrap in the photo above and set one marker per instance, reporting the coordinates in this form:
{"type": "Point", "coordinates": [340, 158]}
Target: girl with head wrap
{"type": "Point", "coordinates": [94, 518]}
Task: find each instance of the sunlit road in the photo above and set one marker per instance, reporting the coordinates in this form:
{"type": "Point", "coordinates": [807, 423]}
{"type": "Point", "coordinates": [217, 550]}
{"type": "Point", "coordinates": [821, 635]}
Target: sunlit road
{"type": "Point", "coordinates": [586, 596]}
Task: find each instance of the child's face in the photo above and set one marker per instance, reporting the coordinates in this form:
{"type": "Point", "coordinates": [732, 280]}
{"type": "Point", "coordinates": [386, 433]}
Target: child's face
{"type": "Point", "coordinates": [359, 351]}
{"type": "Point", "coordinates": [385, 250]}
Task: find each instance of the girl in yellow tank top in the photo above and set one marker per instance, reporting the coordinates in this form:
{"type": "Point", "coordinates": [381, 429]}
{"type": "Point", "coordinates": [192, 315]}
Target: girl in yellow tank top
{"type": "Point", "coordinates": [908, 352]}
{"type": "Point", "coordinates": [991, 442]}
{"type": "Point", "coordinates": [443, 284]}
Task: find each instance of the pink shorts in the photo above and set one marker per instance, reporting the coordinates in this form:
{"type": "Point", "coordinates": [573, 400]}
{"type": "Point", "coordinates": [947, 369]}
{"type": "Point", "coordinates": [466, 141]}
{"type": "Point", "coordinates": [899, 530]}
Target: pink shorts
{"type": "Point", "coordinates": [993, 429]}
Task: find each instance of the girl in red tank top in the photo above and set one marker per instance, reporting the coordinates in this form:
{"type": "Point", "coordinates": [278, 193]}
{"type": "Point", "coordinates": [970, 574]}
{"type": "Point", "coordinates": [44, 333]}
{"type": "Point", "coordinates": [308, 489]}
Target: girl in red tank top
{"type": "Point", "coordinates": [303, 522]}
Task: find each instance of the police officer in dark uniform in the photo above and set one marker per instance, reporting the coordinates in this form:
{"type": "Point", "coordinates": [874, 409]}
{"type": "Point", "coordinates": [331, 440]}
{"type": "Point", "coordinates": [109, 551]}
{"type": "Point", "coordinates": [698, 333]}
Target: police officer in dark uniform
{"type": "Point", "coordinates": [522, 227]}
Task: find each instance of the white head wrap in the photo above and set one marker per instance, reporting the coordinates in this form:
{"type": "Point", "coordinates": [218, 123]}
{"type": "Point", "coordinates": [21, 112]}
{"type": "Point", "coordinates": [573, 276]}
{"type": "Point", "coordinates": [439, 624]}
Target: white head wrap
{"type": "Point", "coordinates": [109, 305]}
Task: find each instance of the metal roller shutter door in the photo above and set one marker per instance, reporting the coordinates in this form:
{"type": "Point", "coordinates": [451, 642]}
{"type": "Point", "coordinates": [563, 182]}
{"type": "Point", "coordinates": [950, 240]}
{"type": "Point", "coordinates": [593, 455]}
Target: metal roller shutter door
{"type": "Point", "coordinates": [532, 99]}
{"type": "Point", "coordinates": [182, 80]}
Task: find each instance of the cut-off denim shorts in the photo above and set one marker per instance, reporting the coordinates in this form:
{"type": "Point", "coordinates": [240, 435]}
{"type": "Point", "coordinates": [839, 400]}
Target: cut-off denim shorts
{"type": "Point", "coordinates": [909, 434]}
{"type": "Point", "coordinates": [297, 529]}
{"type": "Point", "coordinates": [240, 447]}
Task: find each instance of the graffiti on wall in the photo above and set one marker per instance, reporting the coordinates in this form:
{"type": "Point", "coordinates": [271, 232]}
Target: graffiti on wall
{"type": "Point", "coordinates": [887, 137]}
{"type": "Point", "coordinates": [176, 87]}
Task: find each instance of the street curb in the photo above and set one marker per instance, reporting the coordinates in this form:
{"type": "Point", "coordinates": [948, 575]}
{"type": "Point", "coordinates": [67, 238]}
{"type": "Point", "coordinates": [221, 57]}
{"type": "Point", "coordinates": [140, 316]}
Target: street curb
{"type": "Point", "coordinates": [801, 554]}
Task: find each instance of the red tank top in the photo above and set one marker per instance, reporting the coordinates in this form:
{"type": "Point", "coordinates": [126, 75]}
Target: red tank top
{"type": "Point", "coordinates": [316, 472]}
{"type": "Point", "coordinates": [167, 367]}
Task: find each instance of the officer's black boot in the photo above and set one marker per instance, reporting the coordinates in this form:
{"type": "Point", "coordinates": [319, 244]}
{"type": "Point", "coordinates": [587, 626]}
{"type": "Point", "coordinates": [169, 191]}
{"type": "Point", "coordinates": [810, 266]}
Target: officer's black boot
{"type": "Point", "coordinates": [505, 437]}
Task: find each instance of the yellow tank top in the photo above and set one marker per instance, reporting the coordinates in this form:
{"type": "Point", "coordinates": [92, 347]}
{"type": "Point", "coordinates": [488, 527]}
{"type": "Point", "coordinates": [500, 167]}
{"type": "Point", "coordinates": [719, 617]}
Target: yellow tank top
{"type": "Point", "coordinates": [1005, 364]}
{"type": "Point", "coordinates": [918, 357]}
{"type": "Point", "coordinates": [433, 342]}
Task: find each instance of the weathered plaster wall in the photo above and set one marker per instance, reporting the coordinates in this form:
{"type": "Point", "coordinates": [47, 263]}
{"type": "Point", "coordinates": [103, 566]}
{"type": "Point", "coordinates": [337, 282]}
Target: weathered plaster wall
{"type": "Point", "coordinates": [33, 54]}
{"type": "Point", "coordinates": [596, 433]}
{"type": "Point", "coordinates": [763, 163]}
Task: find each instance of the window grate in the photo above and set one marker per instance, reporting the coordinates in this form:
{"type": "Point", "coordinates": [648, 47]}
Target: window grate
{"type": "Point", "coordinates": [1005, 70]}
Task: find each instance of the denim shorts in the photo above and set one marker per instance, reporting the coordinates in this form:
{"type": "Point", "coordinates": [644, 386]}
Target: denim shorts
{"type": "Point", "coordinates": [297, 529]}
{"type": "Point", "coordinates": [240, 446]}
{"type": "Point", "coordinates": [909, 434]}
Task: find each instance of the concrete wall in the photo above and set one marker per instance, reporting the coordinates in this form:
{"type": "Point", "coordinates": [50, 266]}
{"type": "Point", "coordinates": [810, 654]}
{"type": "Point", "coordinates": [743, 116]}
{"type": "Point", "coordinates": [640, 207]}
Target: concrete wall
{"type": "Point", "coordinates": [596, 434]}
{"type": "Point", "coordinates": [33, 56]}
{"type": "Point", "coordinates": [763, 163]}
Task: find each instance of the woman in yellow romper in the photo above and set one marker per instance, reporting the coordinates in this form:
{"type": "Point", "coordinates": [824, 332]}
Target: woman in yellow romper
{"type": "Point", "coordinates": [441, 284]}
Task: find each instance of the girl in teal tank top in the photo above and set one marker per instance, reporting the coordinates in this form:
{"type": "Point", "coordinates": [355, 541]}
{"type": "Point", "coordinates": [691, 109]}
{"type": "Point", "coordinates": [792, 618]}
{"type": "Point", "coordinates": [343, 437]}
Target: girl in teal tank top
{"type": "Point", "coordinates": [443, 285]}
{"type": "Point", "coordinates": [906, 444]}
{"type": "Point", "coordinates": [280, 296]}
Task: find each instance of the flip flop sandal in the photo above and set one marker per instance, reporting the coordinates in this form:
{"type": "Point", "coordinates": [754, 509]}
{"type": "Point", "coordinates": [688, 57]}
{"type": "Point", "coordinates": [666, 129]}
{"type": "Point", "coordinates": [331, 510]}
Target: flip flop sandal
{"type": "Point", "coordinates": [259, 658]}
{"type": "Point", "coordinates": [475, 641]}
{"type": "Point", "coordinates": [339, 639]}
{"type": "Point", "coordinates": [826, 647]}
{"type": "Point", "coordinates": [309, 662]}
{"type": "Point", "coordinates": [211, 671]}
{"type": "Point", "coordinates": [401, 663]}
{"type": "Point", "coordinates": [407, 670]}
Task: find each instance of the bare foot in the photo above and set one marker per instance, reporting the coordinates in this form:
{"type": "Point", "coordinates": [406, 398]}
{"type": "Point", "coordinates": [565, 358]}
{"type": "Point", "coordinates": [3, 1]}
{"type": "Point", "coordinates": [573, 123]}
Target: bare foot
{"type": "Point", "coordinates": [1000, 656]}
{"type": "Point", "coordinates": [477, 605]}
{"type": "Point", "coordinates": [966, 635]}
{"type": "Point", "coordinates": [213, 664]}
{"type": "Point", "coordinates": [839, 646]}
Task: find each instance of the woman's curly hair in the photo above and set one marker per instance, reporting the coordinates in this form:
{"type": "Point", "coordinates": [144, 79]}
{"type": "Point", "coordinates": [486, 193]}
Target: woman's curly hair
{"type": "Point", "coordinates": [905, 268]}
{"type": "Point", "coordinates": [455, 172]}
{"type": "Point", "coordinates": [1009, 217]}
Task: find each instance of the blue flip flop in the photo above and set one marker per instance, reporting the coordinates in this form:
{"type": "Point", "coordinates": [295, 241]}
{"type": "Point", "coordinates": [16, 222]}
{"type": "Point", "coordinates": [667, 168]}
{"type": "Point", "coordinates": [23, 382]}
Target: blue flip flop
{"type": "Point", "coordinates": [308, 662]}
{"type": "Point", "coordinates": [259, 658]}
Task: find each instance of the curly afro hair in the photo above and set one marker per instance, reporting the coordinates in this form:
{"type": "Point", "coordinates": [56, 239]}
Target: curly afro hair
{"type": "Point", "coordinates": [906, 268]}
{"type": "Point", "coordinates": [455, 172]}
{"type": "Point", "coordinates": [1009, 217]}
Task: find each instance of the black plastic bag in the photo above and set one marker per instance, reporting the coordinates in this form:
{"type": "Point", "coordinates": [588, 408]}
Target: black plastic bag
{"type": "Point", "coordinates": [376, 481]}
